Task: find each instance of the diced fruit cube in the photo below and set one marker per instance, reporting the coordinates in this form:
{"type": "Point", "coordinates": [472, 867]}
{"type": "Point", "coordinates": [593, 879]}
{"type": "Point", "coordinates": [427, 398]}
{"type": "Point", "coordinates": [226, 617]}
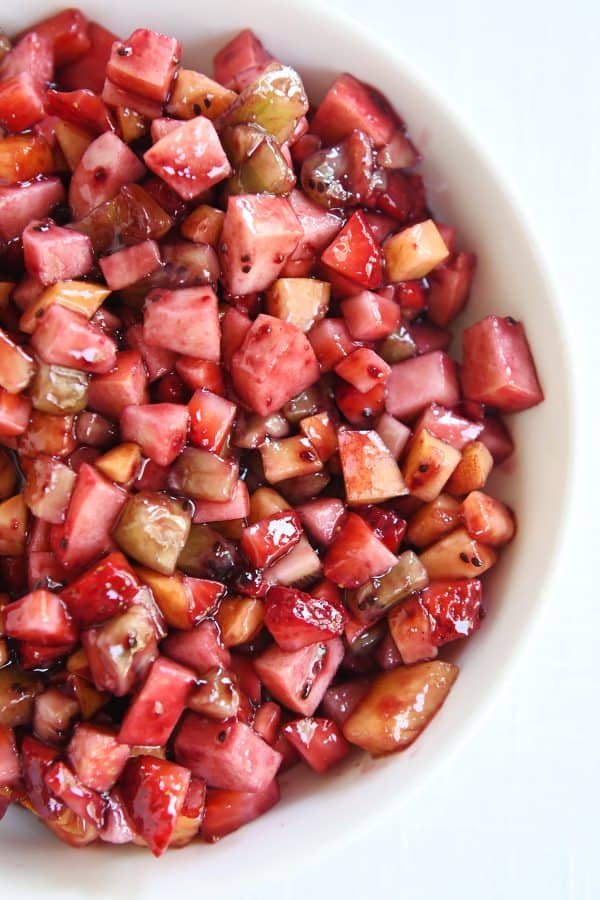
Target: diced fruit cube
{"type": "Point", "coordinates": [433, 520]}
{"type": "Point", "coordinates": [55, 254]}
{"type": "Point", "coordinates": [454, 608]}
{"type": "Point", "coordinates": [226, 811]}
{"type": "Point", "coordinates": [400, 704]}
{"type": "Point", "coordinates": [319, 741]}
{"type": "Point", "coordinates": [291, 457]}
{"type": "Point", "coordinates": [121, 651]}
{"type": "Point", "coordinates": [21, 102]}
{"type": "Point", "coordinates": [154, 791]}
{"type": "Point", "coordinates": [299, 564]}
{"type": "Point", "coordinates": [153, 713]}
{"type": "Point", "coordinates": [10, 770]}
{"type": "Point", "coordinates": [363, 369]}
{"type": "Point", "coordinates": [190, 158]}
{"type": "Point", "coordinates": [153, 529]}
{"type": "Point", "coordinates": [16, 367]}
{"type": "Point", "coordinates": [194, 94]}
{"type": "Point", "coordinates": [371, 475]}
{"type": "Point", "coordinates": [107, 164]}
{"type": "Point", "coordinates": [472, 471]}
{"type": "Point", "coordinates": [67, 33]}
{"type": "Point", "coordinates": [448, 426]}
{"type": "Point", "coordinates": [414, 252]}
{"type": "Point", "coordinates": [319, 226]}
{"type": "Point", "coordinates": [370, 317]}
{"type": "Point", "coordinates": [228, 510]}
{"type": "Point", "coordinates": [36, 759]}
{"type": "Point", "coordinates": [58, 390]}
{"type": "Point", "coordinates": [66, 338]}
{"type": "Point", "coordinates": [106, 589]}
{"type": "Point", "coordinates": [259, 234]}
{"type": "Point", "coordinates": [301, 301]}
{"type": "Point", "coordinates": [125, 267]}
{"type": "Point", "coordinates": [21, 203]}
{"type": "Point", "coordinates": [120, 464]}
{"type": "Point", "coordinates": [203, 475]}
{"type": "Point", "coordinates": [267, 540]}
{"type": "Point", "coordinates": [123, 386]}
{"type": "Point", "coordinates": [487, 519]}
{"type": "Point", "coordinates": [93, 510]}
{"type": "Point", "coordinates": [341, 699]}
{"type": "Point", "coordinates": [201, 648]}
{"type": "Point", "coordinates": [449, 286]}
{"type": "Point", "coordinates": [215, 695]}
{"type": "Point", "coordinates": [89, 70]}
{"type": "Point", "coordinates": [50, 435]}
{"type": "Point", "coordinates": [96, 756]}
{"type": "Point", "coordinates": [230, 756]}
{"type": "Point", "coordinates": [411, 629]}
{"type": "Point", "coordinates": [355, 253]}
{"type": "Point", "coordinates": [185, 321]}
{"type": "Point", "coordinates": [498, 368]}
{"type": "Point", "coordinates": [114, 96]}
{"type": "Point", "coordinates": [296, 619]}
{"type": "Point", "coordinates": [211, 419]}
{"type": "Point", "coordinates": [145, 64]}
{"type": "Point", "coordinates": [84, 802]}
{"type": "Point", "coordinates": [243, 52]}
{"type": "Point", "coordinates": [183, 601]}
{"type": "Point", "coordinates": [201, 374]}
{"type": "Point", "coordinates": [33, 54]}
{"type": "Point", "coordinates": [48, 489]}
{"type": "Point", "coordinates": [428, 465]}
{"type": "Point", "coordinates": [321, 518]}
{"type": "Point", "coordinates": [160, 429]}
{"type": "Point", "coordinates": [373, 600]}
{"type": "Point", "coordinates": [40, 617]}
{"type": "Point", "coordinates": [299, 678]}
{"type": "Point", "coordinates": [275, 101]}
{"type": "Point", "coordinates": [78, 296]}
{"type": "Point", "coordinates": [457, 555]}
{"type": "Point", "coordinates": [356, 554]}
{"type": "Point", "coordinates": [350, 104]}
{"type": "Point", "coordinates": [497, 439]}
{"type": "Point", "coordinates": [239, 619]}
{"type": "Point", "coordinates": [394, 434]}
{"type": "Point", "coordinates": [82, 108]}
{"type": "Point", "coordinates": [416, 383]}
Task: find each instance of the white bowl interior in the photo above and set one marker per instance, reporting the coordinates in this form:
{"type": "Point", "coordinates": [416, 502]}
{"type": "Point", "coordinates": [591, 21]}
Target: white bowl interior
{"type": "Point", "coordinates": [466, 192]}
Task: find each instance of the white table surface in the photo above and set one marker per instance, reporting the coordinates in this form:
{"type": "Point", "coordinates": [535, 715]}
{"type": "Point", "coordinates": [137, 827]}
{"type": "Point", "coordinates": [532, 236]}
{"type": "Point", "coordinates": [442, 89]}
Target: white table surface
{"type": "Point", "coordinates": [514, 816]}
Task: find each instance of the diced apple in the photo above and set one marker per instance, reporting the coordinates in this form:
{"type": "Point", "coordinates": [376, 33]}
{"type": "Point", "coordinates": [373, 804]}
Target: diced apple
{"type": "Point", "coordinates": [121, 651]}
{"type": "Point", "coordinates": [153, 713]}
{"type": "Point", "coordinates": [239, 619]}
{"type": "Point", "coordinates": [355, 555]}
{"type": "Point", "coordinates": [301, 301]}
{"type": "Point", "coordinates": [351, 104]}
{"type": "Point", "coordinates": [487, 519]}
{"type": "Point", "coordinates": [189, 159]}
{"type": "Point", "coordinates": [411, 629]}
{"type": "Point", "coordinates": [16, 366]}
{"type": "Point", "coordinates": [428, 465]}
{"type": "Point", "coordinates": [394, 434]}
{"type": "Point", "coordinates": [319, 741]}
{"type": "Point", "coordinates": [39, 617]}
{"type": "Point", "coordinates": [448, 426]}
{"type": "Point", "coordinates": [472, 471]}
{"type": "Point", "coordinates": [201, 648]}
{"type": "Point", "coordinates": [19, 204]}
{"type": "Point", "coordinates": [123, 386]}
{"type": "Point", "coordinates": [97, 757]}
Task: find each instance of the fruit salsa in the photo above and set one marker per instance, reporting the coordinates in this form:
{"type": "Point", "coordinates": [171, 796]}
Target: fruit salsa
{"type": "Point", "coordinates": [243, 495]}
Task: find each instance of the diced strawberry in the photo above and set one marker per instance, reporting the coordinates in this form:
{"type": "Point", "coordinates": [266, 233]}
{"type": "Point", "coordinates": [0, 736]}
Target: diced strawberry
{"type": "Point", "coordinates": [487, 519]}
{"type": "Point", "coordinates": [32, 54]}
{"type": "Point", "coordinates": [85, 535]}
{"type": "Point", "coordinates": [211, 419]}
{"type": "Point", "coordinates": [332, 342]}
{"type": "Point", "coordinates": [498, 368]}
{"type": "Point", "coordinates": [260, 233]}
{"type": "Point", "coordinates": [121, 651]}
{"type": "Point", "coordinates": [267, 540]}
{"type": "Point", "coordinates": [39, 617]}
{"type": "Point", "coordinates": [236, 508]}
{"type": "Point", "coordinates": [274, 364]}
{"type": "Point", "coordinates": [321, 518]}
{"type": "Point", "coordinates": [185, 321]}
{"type": "Point", "coordinates": [107, 164]}
{"type": "Point", "coordinates": [16, 367]}
{"type": "Point", "coordinates": [48, 489]}
{"type": "Point", "coordinates": [124, 385]}
{"type": "Point", "coordinates": [244, 52]}
{"type": "Point", "coordinates": [448, 426]}
{"type": "Point", "coordinates": [55, 254]}
{"type": "Point", "coordinates": [371, 474]}
{"type": "Point", "coordinates": [65, 785]}
{"type": "Point", "coordinates": [319, 741]}
{"type": "Point", "coordinates": [89, 70]}
{"type": "Point", "coordinates": [355, 554]}
{"type": "Point", "coordinates": [230, 756]}
{"type": "Point", "coordinates": [454, 608]}
{"type": "Point", "coordinates": [363, 368]}
{"type": "Point", "coordinates": [96, 756]}
{"type": "Point", "coordinates": [449, 287]}
{"type": "Point", "coordinates": [103, 591]}
{"type": "Point", "coordinates": [201, 374]}
{"type": "Point", "coordinates": [201, 649]}
{"type": "Point", "coordinates": [154, 792]}
{"type": "Point", "coordinates": [387, 525]}
{"type": "Point", "coordinates": [67, 31]}
{"type": "Point", "coordinates": [351, 104]}
{"type": "Point", "coordinates": [355, 254]}
{"type": "Point", "coordinates": [416, 383]}
{"type": "Point", "coordinates": [192, 814]}
{"type": "Point", "coordinates": [160, 429]}
{"type": "Point", "coordinates": [81, 108]}
{"type": "Point", "coordinates": [153, 714]}
{"type": "Point", "coordinates": [10, 769]}
{"type": "Point", "coordinates": [226, 811]}
{"type": "Point", "coordinates": [369, 316]}
{"type": "Point", "coordinates": [298, 679]}
{"type": "Point", "coordinates": [339, 701]}
{"type": "Point", "coordinates": [189, 159]}
{"type": "Point", "coordinates": [22, 102]}
{"type": "Point", "coordinates": [24, 202]}
{"type": "Point", "coordinates": [66, 338]}
{"type": "Point", "coordinates": [145, 64]}
{"type": "Point", "coordinates": [125, 267]}
{"type": "Point", "coordinates": [296, 619]}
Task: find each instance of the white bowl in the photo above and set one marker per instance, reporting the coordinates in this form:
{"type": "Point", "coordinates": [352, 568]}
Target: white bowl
{"type": "Point", "coordinates": [468, 193]}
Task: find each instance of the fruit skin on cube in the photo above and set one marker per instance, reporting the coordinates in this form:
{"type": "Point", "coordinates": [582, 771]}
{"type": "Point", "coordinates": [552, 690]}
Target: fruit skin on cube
{"type": "Point", "coordinates": [418, 382]}
{"type": "Point", "coordinates": [399, 705]}
{"type": "Point", "coordinates": [448, 426]}
{"type": "Point", "coordinates": [274, 363]}
{"type": "Point", "coordinates": [96, 756]}
{"type": "Point", "coordinates": [55, 254]}
{"type": "Point", "coordinates": [498, 367]}
{"type": "Point", "coordinates": [351, 104]}
{"type": "Point", "coordinates": [107, 164]}
{"type": "Point", "coordinates": [226, 811]}
{"type": "Point", "coordinates": [154, 791]}
{"type": "Point", "coordinates": [259, 234]}
{"type": "Point", "coordinates": [154, 711]}
{"type": "Point", "coordinates": [371, 474]}
{"type": "Point", "coordinates": [230, 756]}
{"type": "Point", "coordinates": [487, 519]}
{"type": "Point", "coordinates": [94, 507]}
{"type": "Point", "coordinates": [145, 63]}
{"type": "Point", "coordinates": [356, 554]}
{"type": "Point", "coordinates": [299, 678]}
{"type": "Point", "coordinates": [185, 321]}
{"type": "Point", "coordinates": [355, 254]}
{"type": "Point", "coordinates": [190, 158]}
{"type": "Point", "coordinates": [319, 741]}
{"type": "Point", "coordinates": [19, 204]}
{"type": "Point", "coordinates": [235, 508]}
{"type": "Point", "coordinates": [160, 429]}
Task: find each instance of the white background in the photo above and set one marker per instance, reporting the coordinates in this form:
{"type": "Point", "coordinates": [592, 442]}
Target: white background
{"type": "Point", "coordinates": [515, 816]}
